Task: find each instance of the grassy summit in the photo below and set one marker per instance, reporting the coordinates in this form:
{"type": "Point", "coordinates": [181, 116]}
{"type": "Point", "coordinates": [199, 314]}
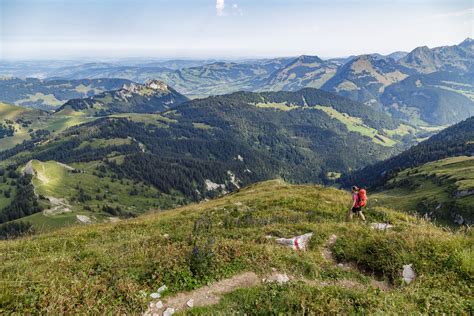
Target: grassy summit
{"type": "Point", "coordinates": [108, 267]}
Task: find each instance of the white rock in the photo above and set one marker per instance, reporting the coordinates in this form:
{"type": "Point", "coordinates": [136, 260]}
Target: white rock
{"type": "Point", "coordinates": [190, 303]}
{"type": "Point", "coordinates": [151, 305]}
{"type": "Point", "coordinates": [84, 219]}
{"type": "Point", "coordinates": [278, 277]}
{"type": "Point", "coordinates": [210, 186]}
{"type": "Point", "coordinates": [233, 179]}
{"type": "Point", "coordinates": [166, 235]}
{"type": "Point", "coordinates": [155, 295]}
{"type": "Point", "coordinates": [297, 243]}
{"type": "Point", "coordinates": [380, 226]}
{"type": "Point", "coordinates": [169, 311]}
{"type": "Point", "coordinates": [282, 278]}
{"type": "Point", "coordinates": [159, 304]}
{"type": "Point", "coordinates": [162, 289]}
{"type": "Point", "coordinates": [408, 273]}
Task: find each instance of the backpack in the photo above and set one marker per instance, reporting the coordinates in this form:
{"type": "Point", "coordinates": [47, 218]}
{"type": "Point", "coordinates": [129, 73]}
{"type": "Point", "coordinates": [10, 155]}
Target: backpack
{"type": "Point", "coordinates": [362, 198]}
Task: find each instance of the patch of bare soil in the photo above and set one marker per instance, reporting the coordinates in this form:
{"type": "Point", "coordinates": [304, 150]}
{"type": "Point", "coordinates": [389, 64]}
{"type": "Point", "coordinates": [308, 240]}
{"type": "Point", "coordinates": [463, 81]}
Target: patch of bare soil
{"type": "Point", "coordinates": [207, 295]}
{"type": "Point", "coordinates": [58, 206]}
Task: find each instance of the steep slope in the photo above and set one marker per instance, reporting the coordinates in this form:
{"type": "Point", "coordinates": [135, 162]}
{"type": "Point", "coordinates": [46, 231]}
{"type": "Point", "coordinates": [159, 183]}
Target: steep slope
{"type": "Point", "coordinates": [445, 58]}
{"type": "Point", "coordinates": [457, 140]}
{"type": "Point", "coordinates": [207, 147]}
{"type": "Point", "coordinates": [151, 97]}
{"type": "Point", "coordinates": [442, 190]}
{"type": "Point", "coordinates": [364, 78]}
{"type": "Point", "coordinates": [50, 94]}
{"type": "Point", "coordinates": [437, 98]}
{"type": "Point", "coordinates": [303, 72]}
{"type": "Point", "coordinates": [115, 267]}
{"type": "Point", "coordinates": [433, 178]}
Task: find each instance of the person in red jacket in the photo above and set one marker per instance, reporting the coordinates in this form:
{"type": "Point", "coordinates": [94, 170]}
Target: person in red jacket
{"type": "Point", "coordinates": [357, 203]}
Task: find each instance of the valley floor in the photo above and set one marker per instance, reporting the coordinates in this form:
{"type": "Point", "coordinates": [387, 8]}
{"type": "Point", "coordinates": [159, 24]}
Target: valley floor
{"type": "Point", "coordinates": [346, 268]}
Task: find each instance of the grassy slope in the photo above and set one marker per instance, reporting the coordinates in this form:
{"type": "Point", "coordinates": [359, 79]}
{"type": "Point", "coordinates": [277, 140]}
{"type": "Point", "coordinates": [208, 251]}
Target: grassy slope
{"type": "Point", "coordinates": [39, 120]}
{"type": "Point", "coordinates": [53, 180]}
{"type": "Point", "coordinates": [103, 267]}
{"type": "Point", "coordinates": [434, 183]}
{"type": "Point", "coordinates": [353, 124]}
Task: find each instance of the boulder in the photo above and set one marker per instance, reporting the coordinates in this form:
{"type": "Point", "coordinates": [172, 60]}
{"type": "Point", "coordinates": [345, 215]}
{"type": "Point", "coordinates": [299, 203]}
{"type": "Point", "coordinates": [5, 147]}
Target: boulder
{"type": "Point", "coordinates": [297, 243]}
{"type": "Point", "coordinates": [408, 273]}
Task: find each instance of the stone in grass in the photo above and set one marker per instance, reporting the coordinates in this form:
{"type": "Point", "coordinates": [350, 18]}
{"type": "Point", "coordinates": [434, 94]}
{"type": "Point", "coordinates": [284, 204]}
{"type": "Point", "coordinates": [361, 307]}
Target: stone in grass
{"type": "Point", "coordinates": [190, 303]}
{"type": "Point", "coordinates": [281, 278]}
{"type": "Point", "coordinates": [297, 243]}
{"type": "Point", "coordinates": [277, 277]}
{"type": "Point", "coordinates": [169, 311]}
{"type": "Point", "coordinates": [162, 289]}
{"type": "Point", "coordinates": [380, 226]}
{"type": "Point", "coordinates": [155, 295]}
{"type": "Point", "coordinates": [408, 273]}
{"type": "Point", "coordinates": [159, 304]}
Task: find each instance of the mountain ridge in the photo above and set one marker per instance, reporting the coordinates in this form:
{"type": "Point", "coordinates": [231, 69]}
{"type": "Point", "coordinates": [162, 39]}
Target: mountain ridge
{"type": "Point", "coordinates": [151, 97]}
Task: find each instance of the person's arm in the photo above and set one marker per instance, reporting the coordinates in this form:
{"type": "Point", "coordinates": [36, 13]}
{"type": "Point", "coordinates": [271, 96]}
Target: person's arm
{"type": "Point", "coordinates": [354, 200]}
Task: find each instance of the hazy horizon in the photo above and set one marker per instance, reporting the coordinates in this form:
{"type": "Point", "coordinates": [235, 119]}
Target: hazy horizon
{"type": "Point", "coordinates": [224, 29]}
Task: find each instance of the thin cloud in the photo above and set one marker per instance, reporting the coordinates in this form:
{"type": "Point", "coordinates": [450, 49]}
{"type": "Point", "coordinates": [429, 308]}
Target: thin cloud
{"type": "Point", "coordinates": [236, 10]}
{"type": "Point", "coordinates": [456, 14]}
{"type": "Point", "coordinates": [220, 6]}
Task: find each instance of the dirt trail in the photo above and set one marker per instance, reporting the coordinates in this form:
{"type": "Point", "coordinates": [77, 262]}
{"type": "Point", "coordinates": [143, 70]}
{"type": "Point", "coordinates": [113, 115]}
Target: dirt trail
{"type": "Point", "coordinates": [207, 295]}
{"type": "Point", "coordinates": [329, 256]}
{"type": "Point", "coordinates": [211, 294]}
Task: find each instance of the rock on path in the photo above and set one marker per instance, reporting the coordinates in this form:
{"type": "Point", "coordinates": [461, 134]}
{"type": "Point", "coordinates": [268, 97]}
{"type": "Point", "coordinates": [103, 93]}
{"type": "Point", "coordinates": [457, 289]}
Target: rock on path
{"type": "Point", "coordinates": [207, 295]}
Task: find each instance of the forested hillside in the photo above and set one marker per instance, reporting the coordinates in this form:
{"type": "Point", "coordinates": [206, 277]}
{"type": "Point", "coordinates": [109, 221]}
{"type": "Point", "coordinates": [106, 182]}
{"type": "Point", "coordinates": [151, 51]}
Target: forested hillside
{"type": "Point", "coordinates": [151, 97]}
{"type": "Point", "coordinates": [457, 140]}
{"type": "Point", "coordinates": [203, 148]}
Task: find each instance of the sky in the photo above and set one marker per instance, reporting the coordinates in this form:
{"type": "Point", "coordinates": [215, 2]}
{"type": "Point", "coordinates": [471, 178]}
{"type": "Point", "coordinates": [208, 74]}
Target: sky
{"type": "Point", "coordinates": [64, 29]}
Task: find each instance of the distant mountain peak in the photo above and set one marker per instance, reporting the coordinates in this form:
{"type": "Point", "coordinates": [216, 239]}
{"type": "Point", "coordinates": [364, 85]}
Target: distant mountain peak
{"type": "Point", "coordinates": [156, 85]}
{"type": "Point", "coordinates": [151, 97]}
{"type": "Point", "coordinates": [151, 86]}
{"type": "Point", "coordinates": [368, 57]}
{"type": "Point", "coordinates": [421, 50]}
{"type": "Point", "coordinates": [467, 43]}
{"type": "Point", "coordinates": [307, 59]}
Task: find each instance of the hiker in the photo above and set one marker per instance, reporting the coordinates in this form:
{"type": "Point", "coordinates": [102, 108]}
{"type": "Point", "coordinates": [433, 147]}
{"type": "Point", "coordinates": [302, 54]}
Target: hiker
{"type": "Point", "coordinates": [359, 200]}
